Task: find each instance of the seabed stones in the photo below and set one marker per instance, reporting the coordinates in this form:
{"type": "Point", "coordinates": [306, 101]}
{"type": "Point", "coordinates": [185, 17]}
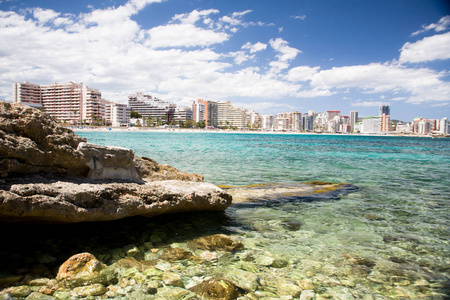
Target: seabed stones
{"type": "Point", "coordinates": [165, 273]}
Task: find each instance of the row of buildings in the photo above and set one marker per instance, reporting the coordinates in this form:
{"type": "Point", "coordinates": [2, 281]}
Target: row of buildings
{"type": "Point", "coordinates": [75, 103]}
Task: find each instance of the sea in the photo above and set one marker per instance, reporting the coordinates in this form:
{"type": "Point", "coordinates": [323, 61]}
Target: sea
{"type": "Point", "coordinates": [387, 239]}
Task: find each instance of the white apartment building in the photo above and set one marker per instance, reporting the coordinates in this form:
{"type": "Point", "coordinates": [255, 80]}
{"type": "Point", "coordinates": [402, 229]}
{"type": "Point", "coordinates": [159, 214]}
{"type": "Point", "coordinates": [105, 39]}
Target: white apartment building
{"type": "Point", "coordinates": [321, 122]}
{"type": "Point", "coordinates": [227, 115]}
{"type": "Point", "coordinates": [148, 106]}
{"type": "Point", "coordinates": [182, 114]}
{"type": "Point", "coordinates": [253, 120]}
{"type": "Point", "coordinates": [371, 125]}
{"type": "Point", "coordinates": [267, 122]}
{"type": "Point", "coordinates": [116, 114]}
{"type": "Point", "coordinates": [404, 127]}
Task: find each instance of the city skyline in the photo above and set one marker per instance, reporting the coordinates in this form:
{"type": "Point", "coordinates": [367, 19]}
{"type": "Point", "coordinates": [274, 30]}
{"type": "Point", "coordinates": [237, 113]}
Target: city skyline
{"type": "Point", "coordinates": [268, 57]}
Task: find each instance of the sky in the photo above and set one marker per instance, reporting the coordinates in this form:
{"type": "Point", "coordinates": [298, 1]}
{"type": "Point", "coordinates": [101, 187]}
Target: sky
{"type": "Point", "coordinates": [263, 55]}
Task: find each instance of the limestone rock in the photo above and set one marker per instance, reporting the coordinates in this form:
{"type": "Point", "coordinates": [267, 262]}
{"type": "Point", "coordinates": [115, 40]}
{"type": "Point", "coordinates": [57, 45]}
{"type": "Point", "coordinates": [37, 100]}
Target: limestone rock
{"type": "Point", "coordinates": [38, 296]}
{"type": "Point", "coordinates": [170, 278]}
{"type": "Point", "coordinates": [217, 289]}
{"type": "Point", "coordinates": [81, 269]}
{"type": "Point", "coordinates": [242, 279]}
{"type": "Point", "coordinates": [107, 162]}
{"type": "Point", "coordinates": [174, 254]}
{"type": "Point", "coordinates": [216, 242]}
{"type": "Point", "coordinates": [90, 290]}
{"type": "Point", "coordinates": [17, 291]}
{"type": "Point", "coordinates": [49, 200]}
{"type": "Point", "coordinates": [31, 142]}
{"type": "Point", "coordinates": [150, 170]}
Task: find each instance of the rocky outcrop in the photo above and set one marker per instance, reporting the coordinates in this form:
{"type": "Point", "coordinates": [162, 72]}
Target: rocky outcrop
{"type": "Point", "coordinates": [31, 142]}
{"type": "Point", "coordinates": [49, 174]}
{"type": "Point", "coordinates": [39, 199]}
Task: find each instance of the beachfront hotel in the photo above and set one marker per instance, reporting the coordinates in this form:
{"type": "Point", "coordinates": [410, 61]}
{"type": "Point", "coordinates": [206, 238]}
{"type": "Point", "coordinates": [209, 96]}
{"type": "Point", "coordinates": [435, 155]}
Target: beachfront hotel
{"type": "Point", "coordinates": [150, 107]}
{"type": "Point", "coordinates": [69, 102]}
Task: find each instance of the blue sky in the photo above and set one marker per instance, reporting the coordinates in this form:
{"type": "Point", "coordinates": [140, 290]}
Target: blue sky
{"type": "Point", "coordinates": [267, 56]}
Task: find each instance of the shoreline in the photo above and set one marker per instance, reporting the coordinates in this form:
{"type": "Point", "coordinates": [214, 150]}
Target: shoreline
{"type": "Point", "coordinates": [191, 130]}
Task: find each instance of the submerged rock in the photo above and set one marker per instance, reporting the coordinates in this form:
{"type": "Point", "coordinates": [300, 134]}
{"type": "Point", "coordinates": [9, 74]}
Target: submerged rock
{"type": "Point", "coordinates": [174, 254]}
{"type": "Point", "coordinates": [17, 291]}
{"type": "Point", "coordinates": [81, 269]}
{"type": "Point", "coordinates": [242, 279]}
{"type": "Point", "coordinates": [89, 290]}
{"type": "Point", "coordinates": [216, 242]}
{"type": "Point", "coordinates": [282, 193]}
{"type": "Point", "coordinates": [52, 175]}
{"type": "Point", "coordinates": [216, 289]}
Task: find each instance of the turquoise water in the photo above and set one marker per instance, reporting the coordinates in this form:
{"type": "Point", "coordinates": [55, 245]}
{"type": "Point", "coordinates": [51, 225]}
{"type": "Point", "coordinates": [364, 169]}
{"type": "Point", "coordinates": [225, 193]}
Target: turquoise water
{"type": "Point", "coordinates": [388, 239]}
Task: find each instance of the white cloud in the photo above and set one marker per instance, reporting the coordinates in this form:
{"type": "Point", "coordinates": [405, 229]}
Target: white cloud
{"type": "Point", "coordinates": [301, 17]}
{"type": "Point", "coordinates": [428, 49]}
{"type": "Point", "coordinates": [253, 48]}
{"type": "Point", "coordinates": [184, 35]}
{"type": "Point", "coordinates": [235, 18]}
{"type": "Point", "coordinates": [286, 53]}
{"type": "Point", "coordinates": [240, 57]}
{"type": "Point", "coordinates": [421, 85]}
{"type": "Point", "coordinates": [44, 15]}
{"type": "Point", "coordinates": [441, 25]}
{"type": "Point", "coordinates": [302, 73]}
{"type": "Point", "coordinates": [194, 16]}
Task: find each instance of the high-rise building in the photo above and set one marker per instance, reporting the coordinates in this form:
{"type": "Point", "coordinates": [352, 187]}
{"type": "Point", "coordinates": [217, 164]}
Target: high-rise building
{"type": "Point", "coordinates": [371, 125]}
{"type": "Point", "coordinates": [227, 115]}
{"type": "Point", "coordinates": [205, 110]}
{"type": "Point", "coordinates": [27, 93]}
{"type": "Point", "coordinates": [353, 119]}
{"type": "Point", "coordinates": [385, 118]}
{"type": "Point", "coordinates": [307, 123]}
{"type": "Point", "coordinates": [182, 114]}
{"type": "Point", "coordinates": [267, 122]}
{"type": "Point", "coordinates": [150, 107]}
{"type": "Point", "coordinates": [333, 113]}
{"type": "Point", "coordinates": [67, 102]}
{"type": "Point", "coordinates": [117, 114]}
{"type": "Point", "coordinates": [444, 126]}
{"type": "Point", "coordinates": [384, 109]}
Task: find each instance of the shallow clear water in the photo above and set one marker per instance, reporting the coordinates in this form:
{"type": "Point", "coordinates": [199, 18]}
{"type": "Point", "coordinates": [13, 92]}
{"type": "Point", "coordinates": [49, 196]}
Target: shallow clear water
{"type": "Point", "coordinates": [399, 217]}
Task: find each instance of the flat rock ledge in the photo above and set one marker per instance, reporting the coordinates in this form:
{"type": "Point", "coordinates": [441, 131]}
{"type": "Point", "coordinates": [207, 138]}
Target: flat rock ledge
{"type": "Point", "coordinates": [42, 200]}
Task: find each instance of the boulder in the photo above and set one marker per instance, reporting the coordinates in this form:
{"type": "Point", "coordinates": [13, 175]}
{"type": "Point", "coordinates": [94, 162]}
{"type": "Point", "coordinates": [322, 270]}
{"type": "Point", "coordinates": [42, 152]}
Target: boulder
{"type": "Point", "coordinates": [49, 174]}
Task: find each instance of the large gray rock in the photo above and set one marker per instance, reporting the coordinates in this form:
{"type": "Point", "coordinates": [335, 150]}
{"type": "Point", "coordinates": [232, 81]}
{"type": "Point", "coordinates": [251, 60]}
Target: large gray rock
{"type": "Point", "coordinates": [39, 199]}
{"type": "Point", "coordinates": [52, 175]}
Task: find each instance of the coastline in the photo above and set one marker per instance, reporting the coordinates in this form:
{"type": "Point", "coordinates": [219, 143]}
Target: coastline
{"type": "Point", "coordinates": [192, 130]}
